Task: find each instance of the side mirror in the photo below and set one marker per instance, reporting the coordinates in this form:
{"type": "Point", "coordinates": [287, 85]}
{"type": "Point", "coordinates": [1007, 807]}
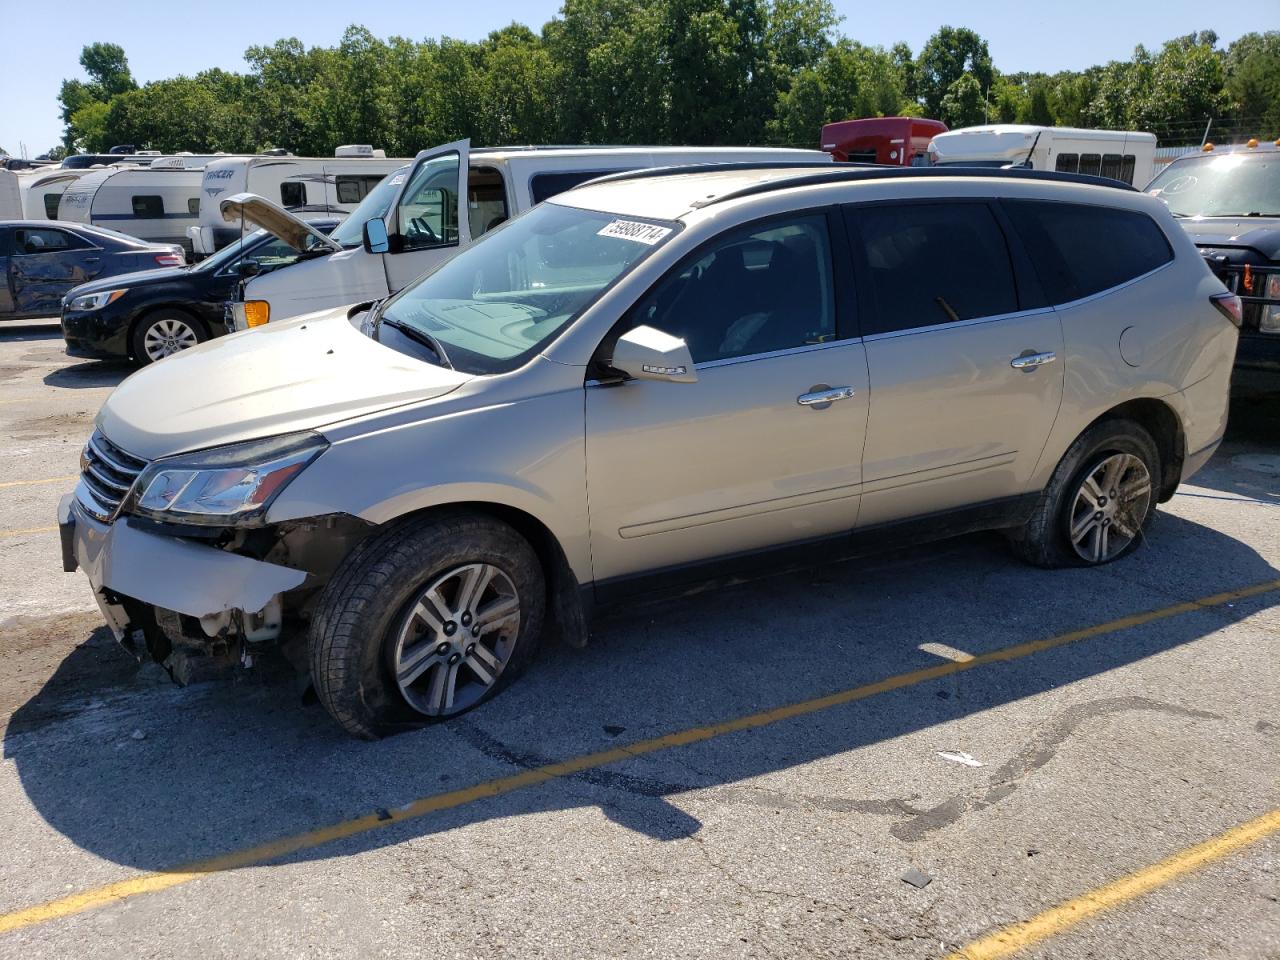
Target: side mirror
{"type": "Point", "coordinates": [648, 354]}
{"type": "Point", "coordinates": [375, 236]}
{"type": "Point", "coordinates": [249, 268]}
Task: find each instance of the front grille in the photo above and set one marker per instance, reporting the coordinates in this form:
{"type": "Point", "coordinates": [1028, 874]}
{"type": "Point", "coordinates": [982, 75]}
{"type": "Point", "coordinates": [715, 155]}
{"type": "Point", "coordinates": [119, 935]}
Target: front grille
{"type": "Point", "coordinates": [107, 474]}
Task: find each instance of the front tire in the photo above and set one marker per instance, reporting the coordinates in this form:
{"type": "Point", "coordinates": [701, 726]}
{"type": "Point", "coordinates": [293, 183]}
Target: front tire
{"type": "Point", "coordinates": [425, 622]}
{"type": "Point", "coordinates": [166, 332]}
{"type": "Point", "coordinates": [1100, 499]}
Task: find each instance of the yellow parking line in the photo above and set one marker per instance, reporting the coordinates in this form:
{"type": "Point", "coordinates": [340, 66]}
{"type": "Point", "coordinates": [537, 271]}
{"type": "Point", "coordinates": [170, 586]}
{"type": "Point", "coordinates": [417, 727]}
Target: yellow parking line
{"type": "Point", "coordinates": [1019, 936]}
{"type": "Point", "coordinates": [285, 846]}
{"type": "Point", "coordinates": [21, 533]}
{"type": "Point", "coordinates": [33, 483]}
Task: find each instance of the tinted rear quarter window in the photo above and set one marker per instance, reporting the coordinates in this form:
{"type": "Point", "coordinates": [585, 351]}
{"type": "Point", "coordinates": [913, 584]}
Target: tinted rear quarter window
{"type": "Point", "coordinates": [1079, 250]}
{"type": "Point", "coordinates": [936, 262]}
{"type": "Point", "coordinates": [543, 185]}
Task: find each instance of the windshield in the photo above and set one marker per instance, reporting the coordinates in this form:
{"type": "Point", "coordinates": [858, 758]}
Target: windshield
{"type": "Point", "coordinates": [373, 207]}
{"type": "Point", "coordinates": [1228, 185]}
{"type": "Point", "coordinates": [506, 296]}
{"type": "Point", "coordinates": [227, 254]}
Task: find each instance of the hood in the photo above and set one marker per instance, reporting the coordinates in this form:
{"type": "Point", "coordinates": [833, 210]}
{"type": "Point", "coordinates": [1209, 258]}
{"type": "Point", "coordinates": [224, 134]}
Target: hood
{"type": "Point", "coordinates": [260, 211]}
{"type": "Point", "coordinates": [1258, 233]}
{"type": "Point", "coordinates": [302, 374]}
{"type": "Point", "coordinates": [129, 280]}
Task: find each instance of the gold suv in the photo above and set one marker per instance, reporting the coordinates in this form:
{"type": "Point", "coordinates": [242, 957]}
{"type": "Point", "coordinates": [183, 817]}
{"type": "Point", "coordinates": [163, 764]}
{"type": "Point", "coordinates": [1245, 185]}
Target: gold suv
{"type": "Point", "coordinates": [645, 382]}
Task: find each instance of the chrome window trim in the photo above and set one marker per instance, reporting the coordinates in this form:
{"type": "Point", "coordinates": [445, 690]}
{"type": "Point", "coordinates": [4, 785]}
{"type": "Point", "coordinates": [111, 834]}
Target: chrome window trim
{"type": "Point", "coordinates": [957, 324]}
{"type": "Point", "coordinates": [1119, 286]}
{"type": "Point", "coordinates": [751, 357]}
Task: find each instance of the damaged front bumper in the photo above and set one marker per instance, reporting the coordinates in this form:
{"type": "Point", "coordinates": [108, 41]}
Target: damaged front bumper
{"type": "Point", "coordinates": [125, 564]}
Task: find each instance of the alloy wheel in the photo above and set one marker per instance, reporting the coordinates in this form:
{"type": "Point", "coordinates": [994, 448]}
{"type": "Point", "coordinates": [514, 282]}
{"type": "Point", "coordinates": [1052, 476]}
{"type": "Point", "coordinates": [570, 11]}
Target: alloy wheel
{"type": "Point", "coordinates": [456, 639]}
{"type": "Point", "coordinates": [166, 337]}
{"type": "Point", "coordinates": [1109, 507]}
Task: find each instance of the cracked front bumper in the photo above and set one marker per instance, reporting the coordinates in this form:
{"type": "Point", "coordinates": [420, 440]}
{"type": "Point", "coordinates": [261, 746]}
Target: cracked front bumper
{"type": "Point", "coordinates": [122, 561]}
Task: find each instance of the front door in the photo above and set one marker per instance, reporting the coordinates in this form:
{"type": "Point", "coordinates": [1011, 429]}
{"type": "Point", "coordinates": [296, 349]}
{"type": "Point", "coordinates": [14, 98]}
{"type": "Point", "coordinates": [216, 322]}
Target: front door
{"type": "Point", "coordinates": [967, 381]}
{"type": "Point", "coordinates": [750, 455]}
{"type": "Point", "coordinates": [6, 277]}
{"type": "Point", "coordinates": [45, 264]}
{"type": "Point", "coordinates": [427, 223]}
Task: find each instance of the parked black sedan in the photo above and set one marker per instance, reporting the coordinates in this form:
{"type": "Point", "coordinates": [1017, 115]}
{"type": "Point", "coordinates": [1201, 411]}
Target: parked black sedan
{"type": "Point", "coordinates": [147, 316]}
{"type": "Point", "coordinates": [41, 260]}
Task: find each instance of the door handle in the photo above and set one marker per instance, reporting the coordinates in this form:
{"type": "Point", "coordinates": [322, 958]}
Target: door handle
{"type": "Point", "coordinates": [821, 396]}
{"type": "Point", "coordinates": [92, 259]}
{"type": "Point", "coordinates": [1029, 361]}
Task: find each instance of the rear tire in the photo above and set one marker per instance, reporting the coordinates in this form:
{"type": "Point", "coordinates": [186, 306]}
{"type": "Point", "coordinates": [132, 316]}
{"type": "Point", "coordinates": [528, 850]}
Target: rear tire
{"type": "Point", "coordinates": [165, 332]}
{"type": "Point", "coordinates": [1099, 501]}
{"type": "Point", "coordinates": [399, 639]}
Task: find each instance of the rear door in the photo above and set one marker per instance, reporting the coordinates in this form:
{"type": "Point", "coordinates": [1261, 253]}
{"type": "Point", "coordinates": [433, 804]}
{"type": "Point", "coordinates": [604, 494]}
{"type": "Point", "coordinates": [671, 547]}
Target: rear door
{"type": "Point", "coordinates": [966, 372]}
{"type": "Point", "coordinates": [424, 222]}
{"type": "Point", "coordinates": [46, 263]}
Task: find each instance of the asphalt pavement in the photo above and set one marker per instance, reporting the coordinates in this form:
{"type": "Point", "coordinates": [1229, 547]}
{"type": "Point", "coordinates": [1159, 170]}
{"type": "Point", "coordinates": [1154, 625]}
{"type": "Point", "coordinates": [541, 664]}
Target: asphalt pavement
{"type": "Point", "coordinates": [750, 772]}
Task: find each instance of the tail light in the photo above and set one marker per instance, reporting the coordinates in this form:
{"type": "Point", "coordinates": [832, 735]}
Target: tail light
{"type": "Point", "coordinates": [1229, 306]}
{"type": "Point", "coordinates": [170, 259]}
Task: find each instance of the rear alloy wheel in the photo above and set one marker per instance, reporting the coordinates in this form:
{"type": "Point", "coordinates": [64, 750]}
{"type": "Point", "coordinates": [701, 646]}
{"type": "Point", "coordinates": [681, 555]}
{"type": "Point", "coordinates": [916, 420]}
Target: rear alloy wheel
{"type": "Point", "coordinates": [164, 334]}
{"type": "Point", "coordinates": [1097, 503]}
{"type": "Point", "coordinates": [1110, 507]}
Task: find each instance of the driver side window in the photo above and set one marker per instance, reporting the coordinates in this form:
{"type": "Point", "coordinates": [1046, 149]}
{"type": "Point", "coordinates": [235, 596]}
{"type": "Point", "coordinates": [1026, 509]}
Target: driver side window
{"type": "Point", "coordinates": [757, 289]}
{"type": "Point", "coordinates": [427, 215]}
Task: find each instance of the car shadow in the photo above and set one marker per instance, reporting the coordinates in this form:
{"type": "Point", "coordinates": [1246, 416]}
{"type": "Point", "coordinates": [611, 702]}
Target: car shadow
{"type": "Point", "coordinates": [1248, 462]}
{"type": "Point", "coordinates": [91, 373]}
{"type": "Point", "coordinates": [151, 776]}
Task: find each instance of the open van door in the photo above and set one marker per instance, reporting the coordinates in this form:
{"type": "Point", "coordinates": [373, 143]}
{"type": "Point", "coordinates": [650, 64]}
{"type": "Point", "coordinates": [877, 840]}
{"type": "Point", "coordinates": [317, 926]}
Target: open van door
{"type": "Point", "coordinates": [427, 221]}
{"type": "Point", "coordinates": [261, 212]}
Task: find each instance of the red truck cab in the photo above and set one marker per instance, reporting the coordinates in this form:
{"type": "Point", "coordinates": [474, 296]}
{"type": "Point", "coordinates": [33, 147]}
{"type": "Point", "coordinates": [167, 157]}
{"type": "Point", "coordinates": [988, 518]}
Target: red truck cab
{"type": "Point", "coordinates": [894, 141]}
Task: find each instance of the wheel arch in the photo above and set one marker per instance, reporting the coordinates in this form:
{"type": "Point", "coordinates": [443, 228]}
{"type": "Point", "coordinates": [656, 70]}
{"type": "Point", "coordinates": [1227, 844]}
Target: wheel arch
{"type": "Point", "coordinates": [1165, 426]}
{"type": "Point", "coordinates": [568, 601]}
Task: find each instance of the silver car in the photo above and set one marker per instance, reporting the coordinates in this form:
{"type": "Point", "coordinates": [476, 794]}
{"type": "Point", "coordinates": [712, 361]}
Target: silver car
{"type": "Point", "coordinates": [650, 381]}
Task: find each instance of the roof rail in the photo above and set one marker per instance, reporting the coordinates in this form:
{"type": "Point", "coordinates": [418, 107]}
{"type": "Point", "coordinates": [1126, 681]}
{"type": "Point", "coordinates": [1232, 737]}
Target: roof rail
{"type": "Point", "coordinates": [844, 172]}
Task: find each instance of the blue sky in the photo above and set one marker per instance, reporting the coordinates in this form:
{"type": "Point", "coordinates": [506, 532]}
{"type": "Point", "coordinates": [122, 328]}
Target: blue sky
{"type": "Point", "coordinates": [166, 39]}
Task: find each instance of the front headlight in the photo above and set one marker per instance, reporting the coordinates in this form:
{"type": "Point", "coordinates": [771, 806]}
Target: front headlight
{"type": "Point", "coordinates": [96, 301]}
{"type": "Point", "coordinates": [225, 486]}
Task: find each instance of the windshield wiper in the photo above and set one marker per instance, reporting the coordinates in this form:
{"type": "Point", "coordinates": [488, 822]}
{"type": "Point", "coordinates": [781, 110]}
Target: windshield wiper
{"type": "Point", "coordinates": [418, 336]}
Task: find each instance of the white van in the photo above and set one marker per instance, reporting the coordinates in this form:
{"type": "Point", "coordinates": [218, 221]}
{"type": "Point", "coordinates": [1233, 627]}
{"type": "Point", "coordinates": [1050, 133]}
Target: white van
{"type": "Point", "coordinates": [1125, 155]}
{"type": "Point", "coordinates": [307, 186]}
{"type": "Point", "coordinates": [415, 216]}
{"type": "Point", "coordinates": [158, 202]}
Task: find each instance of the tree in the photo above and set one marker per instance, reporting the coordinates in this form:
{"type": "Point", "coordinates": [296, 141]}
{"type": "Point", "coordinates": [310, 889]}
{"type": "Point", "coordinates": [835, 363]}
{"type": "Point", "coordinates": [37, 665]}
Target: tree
{"type": "Point", "coordinates": [849, 81]}
{"type": "Point", "coordinates": [947, 56]}
{"type": "Point", "coordinates": [963, 105]}
{"type": "Point", "coordinates": [1253, 79]}
{"type": "Point", "coordinates": [109, 76]}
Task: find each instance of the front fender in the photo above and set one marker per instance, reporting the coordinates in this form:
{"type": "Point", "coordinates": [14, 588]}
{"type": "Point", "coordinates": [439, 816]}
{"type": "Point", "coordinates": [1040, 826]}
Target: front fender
{"type": "Point", "coordinates": [528, 455]}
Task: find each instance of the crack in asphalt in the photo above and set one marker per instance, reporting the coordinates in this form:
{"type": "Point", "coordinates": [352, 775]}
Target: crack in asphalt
{"type": "Point", "coordinates": [1039, 751]}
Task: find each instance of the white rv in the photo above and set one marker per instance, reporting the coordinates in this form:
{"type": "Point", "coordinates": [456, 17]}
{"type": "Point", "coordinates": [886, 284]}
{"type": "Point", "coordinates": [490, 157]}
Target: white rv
{"type": "Point", "coordinates": [412, 221]}
{"type": "Point", "coordinates": [308, 186]}
{"type": "Point", "coordinates": [158, 202]}
{"type": "Point", "coordinates": [42, 190]}
{"type": "Point", "coordinates": [10, 195]}
{"type": "Point", "coordinates": [1125, 155]}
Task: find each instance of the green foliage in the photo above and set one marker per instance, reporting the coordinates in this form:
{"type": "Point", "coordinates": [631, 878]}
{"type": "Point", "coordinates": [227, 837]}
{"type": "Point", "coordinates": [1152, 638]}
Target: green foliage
{"type": "Point", "coordinates": [651, 71]}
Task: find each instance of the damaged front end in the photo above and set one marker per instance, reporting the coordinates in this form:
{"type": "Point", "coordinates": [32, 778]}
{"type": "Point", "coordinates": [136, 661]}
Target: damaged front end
{"type": "Point", "coordinates": [182, 562]}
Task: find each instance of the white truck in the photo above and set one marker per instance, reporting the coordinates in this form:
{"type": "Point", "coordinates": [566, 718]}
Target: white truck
{"type": "Point", "coordinates": [307, 186]}
{"type": "Point", "coordinates": [1125, 155]}
{"type": "Point", "coordinates": [413, 219]}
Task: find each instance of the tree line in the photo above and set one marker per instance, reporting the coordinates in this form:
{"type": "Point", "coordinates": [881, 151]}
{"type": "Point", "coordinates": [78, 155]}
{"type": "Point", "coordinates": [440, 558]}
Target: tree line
{"type": "Point", "coordinates": [652, 71]}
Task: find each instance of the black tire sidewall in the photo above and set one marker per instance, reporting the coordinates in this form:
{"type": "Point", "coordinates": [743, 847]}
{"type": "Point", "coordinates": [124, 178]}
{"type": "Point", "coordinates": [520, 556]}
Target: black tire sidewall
{"type": "Point", "coordinates": [1107, 438]}
{"type": "Point", "coordinates": [402, 563]}
{"type": "Point", "coordinates": [138, 337]}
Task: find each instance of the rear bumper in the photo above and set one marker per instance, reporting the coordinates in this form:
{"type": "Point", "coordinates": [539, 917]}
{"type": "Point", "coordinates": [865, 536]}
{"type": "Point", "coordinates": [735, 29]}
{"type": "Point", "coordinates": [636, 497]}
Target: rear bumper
{"type": "Point", "coordinates": [124, 563]}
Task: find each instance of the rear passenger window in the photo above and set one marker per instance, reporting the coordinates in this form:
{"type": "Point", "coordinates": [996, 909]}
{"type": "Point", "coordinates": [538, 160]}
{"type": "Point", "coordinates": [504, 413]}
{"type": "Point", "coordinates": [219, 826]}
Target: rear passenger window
{"type": "Point", "coordinates": [1091, 163]}
{"type": "Point", "coordinates": [1068, 163]}
{"type": "Point", "coordinates": [1111, 165]}
{"type": "Point", "coordinates": [293, 194]}
{"type": "Point", "coordinates": [934, 263]}
{"type": "Point", "coordinates": [150, 208]}
{"type": "Point", "coordinates": [757, 289]}
{"type": "Point", "coordinates": [1127, 168]}
{"type": "Point", "coordinates": [1079, 250]}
